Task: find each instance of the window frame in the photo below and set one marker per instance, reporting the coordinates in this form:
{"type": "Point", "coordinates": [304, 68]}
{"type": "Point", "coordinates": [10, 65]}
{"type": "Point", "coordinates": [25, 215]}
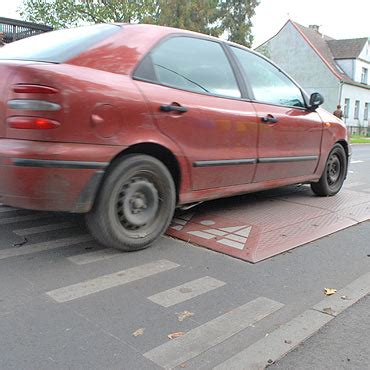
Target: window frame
{"type": "Point", "coordinates": [244, 93]}
{"type": "Point", "coordinates": [366, 111]}
{"type": "Point", "coordinates": [305, 96]}
{"type": "Point", "coordinates": [356, 114]}
{"type": "Point", "coordinates": [347, 102]}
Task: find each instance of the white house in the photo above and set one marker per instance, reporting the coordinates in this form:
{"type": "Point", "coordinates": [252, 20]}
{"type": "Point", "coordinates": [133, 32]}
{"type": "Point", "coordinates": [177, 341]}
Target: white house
{"type": "Point", "coordinates": [338, 69]}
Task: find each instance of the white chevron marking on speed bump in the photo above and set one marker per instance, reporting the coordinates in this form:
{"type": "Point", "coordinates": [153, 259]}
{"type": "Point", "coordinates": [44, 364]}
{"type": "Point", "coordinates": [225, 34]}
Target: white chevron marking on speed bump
{"type": "Point", "coordinates": [178, 223]}
{"type": "Point", "coordinates": [235, 236]}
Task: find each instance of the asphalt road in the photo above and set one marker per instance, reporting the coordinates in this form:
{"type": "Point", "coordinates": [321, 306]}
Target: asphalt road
{"type": "Point", "coordinates": [66, 303]}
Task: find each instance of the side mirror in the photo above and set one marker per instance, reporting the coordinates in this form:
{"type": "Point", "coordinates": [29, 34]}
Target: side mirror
{"type": "Point", "coordinates": [316, 99]}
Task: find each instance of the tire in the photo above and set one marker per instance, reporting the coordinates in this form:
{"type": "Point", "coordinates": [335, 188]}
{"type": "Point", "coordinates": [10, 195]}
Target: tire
{"type": "Point", "coordinates": [331, 181]}
{"type": "Point", "coordinates": [135, 204]}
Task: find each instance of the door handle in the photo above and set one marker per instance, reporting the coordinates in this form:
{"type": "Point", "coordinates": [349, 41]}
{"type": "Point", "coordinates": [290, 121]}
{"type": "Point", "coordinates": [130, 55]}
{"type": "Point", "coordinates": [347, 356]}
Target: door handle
{"type": "Point", "coordinates": [173, 108]}
{"type": "Point", "coordinates": [269, 119]}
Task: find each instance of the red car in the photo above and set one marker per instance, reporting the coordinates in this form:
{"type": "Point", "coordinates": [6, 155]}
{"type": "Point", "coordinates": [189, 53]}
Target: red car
{"type": "Point", "coordinates": [127, 122]}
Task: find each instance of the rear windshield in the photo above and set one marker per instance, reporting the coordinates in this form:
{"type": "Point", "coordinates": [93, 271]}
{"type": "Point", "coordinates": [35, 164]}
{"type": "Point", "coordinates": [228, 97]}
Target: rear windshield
{"type": "Point", "coordinates": [58, 46]}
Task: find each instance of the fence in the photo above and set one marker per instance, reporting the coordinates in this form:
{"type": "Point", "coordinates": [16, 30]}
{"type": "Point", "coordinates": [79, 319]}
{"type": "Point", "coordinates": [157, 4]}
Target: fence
{"type": "Point", "coordinates": [15, 30]}
{"type": "Point", "coordinates": [359, 130]}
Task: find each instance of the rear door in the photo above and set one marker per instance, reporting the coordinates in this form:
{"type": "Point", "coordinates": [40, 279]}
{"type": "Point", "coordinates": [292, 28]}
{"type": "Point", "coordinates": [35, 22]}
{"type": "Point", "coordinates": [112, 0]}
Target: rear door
{"type": "Point", "coordinates": [289, 134]}
{"type": "Point", "coordinates": [196, 101]}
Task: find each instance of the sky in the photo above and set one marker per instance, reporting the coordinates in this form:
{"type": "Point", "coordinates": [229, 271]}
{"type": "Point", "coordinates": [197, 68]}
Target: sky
{"type": "Point", "coordinates": [339, 19]}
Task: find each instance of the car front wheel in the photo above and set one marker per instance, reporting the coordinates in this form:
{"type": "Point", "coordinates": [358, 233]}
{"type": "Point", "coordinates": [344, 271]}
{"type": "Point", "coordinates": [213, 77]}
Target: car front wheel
{"type": "Point", "coordinates": [135, 204]}
{"type": "Point", "coordinates": [332, 179]}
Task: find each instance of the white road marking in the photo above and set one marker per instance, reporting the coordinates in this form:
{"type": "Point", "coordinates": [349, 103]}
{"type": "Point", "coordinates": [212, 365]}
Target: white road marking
{"type": "Point", "coordinates": [43, 228]}
{"type": "Point", "coordinates": [179, 221]}
{"type": "Point", "coordinates": [201, 234]}
{"type": "Point", "coordinates": [216, 232]}
{"type": "Point", "coordinates": [90, 257]}
{"type": "Point", "coordinates": [232, 229]}
{"type": "Point", "coordinates": [277, 343]}
{"type": "Point", "coordinates": [244, 232]}
{"type": "Point", "coordinates": [214, 332]}
{"type": "Point", "coordinates": [44, 246]}
{"type": "Point", "coordinates": [291, 334]}
{"type": "Point", "coordinates": [101, 283]}
{"type": "Point", "coordinates": [353, 184]}
{"type": "Point", "coordinates": [235, 236]}
{"type": "Point", "coordinates": [232, 244]}
{"type": "Point", "coordinates": [352, 293]}
{"type": "Point", "coordinates": [354, 162]}
{"type": "Point", "coordinates": [186, 291]}
{"type": "Point", "coordinates": [12, 220]}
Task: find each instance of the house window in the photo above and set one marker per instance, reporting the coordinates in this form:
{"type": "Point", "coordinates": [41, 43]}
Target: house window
{"type": "Point", "coordinates": [364, 76]}
{"type": "Point", "coordinates": [357, 109]}
{"type": "Point", "coordinates": [346, 108]}
{"type": "Point", "coordinates": [366, 112]}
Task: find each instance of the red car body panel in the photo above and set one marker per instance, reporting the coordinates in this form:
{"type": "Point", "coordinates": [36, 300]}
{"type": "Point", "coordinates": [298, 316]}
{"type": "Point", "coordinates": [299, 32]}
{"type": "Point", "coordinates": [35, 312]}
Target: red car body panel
{"type": "Point", "coordinates": [106, 113]}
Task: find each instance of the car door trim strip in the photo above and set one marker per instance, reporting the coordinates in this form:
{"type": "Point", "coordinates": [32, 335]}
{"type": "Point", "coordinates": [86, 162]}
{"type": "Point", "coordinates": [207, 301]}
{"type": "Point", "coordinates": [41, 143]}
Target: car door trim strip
{"type": "Point", "coordinates": [233, 162]}
{"type": "Point", "coordinates": [48, 163]}
{"type": "Point", "coordinates": [288, 159]}
{"type": "Point", "coordinates": [227, 162]}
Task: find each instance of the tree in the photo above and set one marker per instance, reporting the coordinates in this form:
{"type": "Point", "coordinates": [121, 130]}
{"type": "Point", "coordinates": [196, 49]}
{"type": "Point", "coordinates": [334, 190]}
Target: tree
{"type": "Point", "coordinates": [236, 20]}
{"type": "Point", "coordinates": [68, 13]}
{"type": "Point", "coordinates": [213, 17]}
{"type": "Point", "coordinates": [195, 15]}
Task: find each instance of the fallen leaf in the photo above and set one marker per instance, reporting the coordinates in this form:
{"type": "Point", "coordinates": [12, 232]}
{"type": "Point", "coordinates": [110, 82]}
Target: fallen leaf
{"type": "Point", "coordinates": [184, 315]}
{"type": "Point", "coordinates": [176, 335]}
{"type": "Point", "coordinates": [183, 366]}
{"type": "Point", "coordinates": [138, 332]}
{"type": "Point", "coordinates": [330, 291]}
{"type": "Point", "coordinates": [344, 297]}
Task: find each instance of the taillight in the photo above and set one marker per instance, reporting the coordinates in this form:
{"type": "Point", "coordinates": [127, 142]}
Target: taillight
{"type": "Point", "coordinates": [34, 89]}
{"type": "Point", "coordinates": [32, 123]}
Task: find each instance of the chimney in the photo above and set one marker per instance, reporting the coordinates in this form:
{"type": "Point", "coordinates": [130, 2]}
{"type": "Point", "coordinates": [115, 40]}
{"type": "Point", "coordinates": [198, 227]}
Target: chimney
{"type": "Point", "coordinates": [314, 27]}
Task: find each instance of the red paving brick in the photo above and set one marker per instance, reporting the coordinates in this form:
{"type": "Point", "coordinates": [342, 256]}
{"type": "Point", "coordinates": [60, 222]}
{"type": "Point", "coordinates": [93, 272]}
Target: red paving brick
{"type": "Point", "coordinates": [258, 226]}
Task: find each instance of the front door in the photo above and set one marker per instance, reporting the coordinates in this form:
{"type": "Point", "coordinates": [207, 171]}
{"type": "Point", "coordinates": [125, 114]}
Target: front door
{"type": "Point", "coordinates": [289, 134]}
{"type": "Point", "coordinates": [196, 101]}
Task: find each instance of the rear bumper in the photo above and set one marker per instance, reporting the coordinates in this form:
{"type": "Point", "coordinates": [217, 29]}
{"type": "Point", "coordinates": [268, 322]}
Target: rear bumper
{"type": "Point", "coordinates": [52, 176]}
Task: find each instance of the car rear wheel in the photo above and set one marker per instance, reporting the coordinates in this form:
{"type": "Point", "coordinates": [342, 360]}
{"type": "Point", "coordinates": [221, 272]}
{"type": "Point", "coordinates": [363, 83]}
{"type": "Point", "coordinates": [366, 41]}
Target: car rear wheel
{"type": "Point", "coordinates": [332, 179]}
{"type": "Point", "coordinates": [135, 204]}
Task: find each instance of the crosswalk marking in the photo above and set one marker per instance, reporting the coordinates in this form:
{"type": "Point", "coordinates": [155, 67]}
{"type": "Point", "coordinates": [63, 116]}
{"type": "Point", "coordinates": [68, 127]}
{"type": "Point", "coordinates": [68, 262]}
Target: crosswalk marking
{"type": "Point", "coordinates": [186, 291]}
{"type": "Point", "coordinates": [12, 220]}
{"type": "Point", "coordinates": [90, 257]}
{"type": "Point", "coordinates": [353, 184]}
{"type": "Point", "coordinates": [290, 335]}
{"type": "Point", "coordinates": [101, 283]}
{"type": "Point", "coordinates": [43, 228]}
{"type": "Point", "coordinates": [214, 332]}
{"type": "Point", "coordinates": [44, 246]}
{"type": "Point", "coordinates": [277, 343]}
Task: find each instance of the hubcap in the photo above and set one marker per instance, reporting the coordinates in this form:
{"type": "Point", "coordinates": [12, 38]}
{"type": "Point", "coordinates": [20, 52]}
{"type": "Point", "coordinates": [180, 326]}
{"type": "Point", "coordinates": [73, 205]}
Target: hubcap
{"type": "Point", "coordinates": [137, 203]}
{"type": "Point", "coordinates": [333, 169]}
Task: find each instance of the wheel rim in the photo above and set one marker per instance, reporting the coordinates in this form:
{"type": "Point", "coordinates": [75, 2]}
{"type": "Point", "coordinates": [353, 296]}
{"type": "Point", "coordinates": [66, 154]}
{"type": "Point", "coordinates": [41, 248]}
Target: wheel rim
{"type": "Point", "coordinates": [334, 169]}
{"type": "Point", "coordinates": [137, 204]}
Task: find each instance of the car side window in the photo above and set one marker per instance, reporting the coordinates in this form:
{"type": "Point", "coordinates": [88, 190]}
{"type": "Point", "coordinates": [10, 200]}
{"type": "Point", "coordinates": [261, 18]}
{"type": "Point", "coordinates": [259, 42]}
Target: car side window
{"type": "Point", "coordinates": [192, 64]}
{"type": "Point", "coordinates": [269, 84]}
